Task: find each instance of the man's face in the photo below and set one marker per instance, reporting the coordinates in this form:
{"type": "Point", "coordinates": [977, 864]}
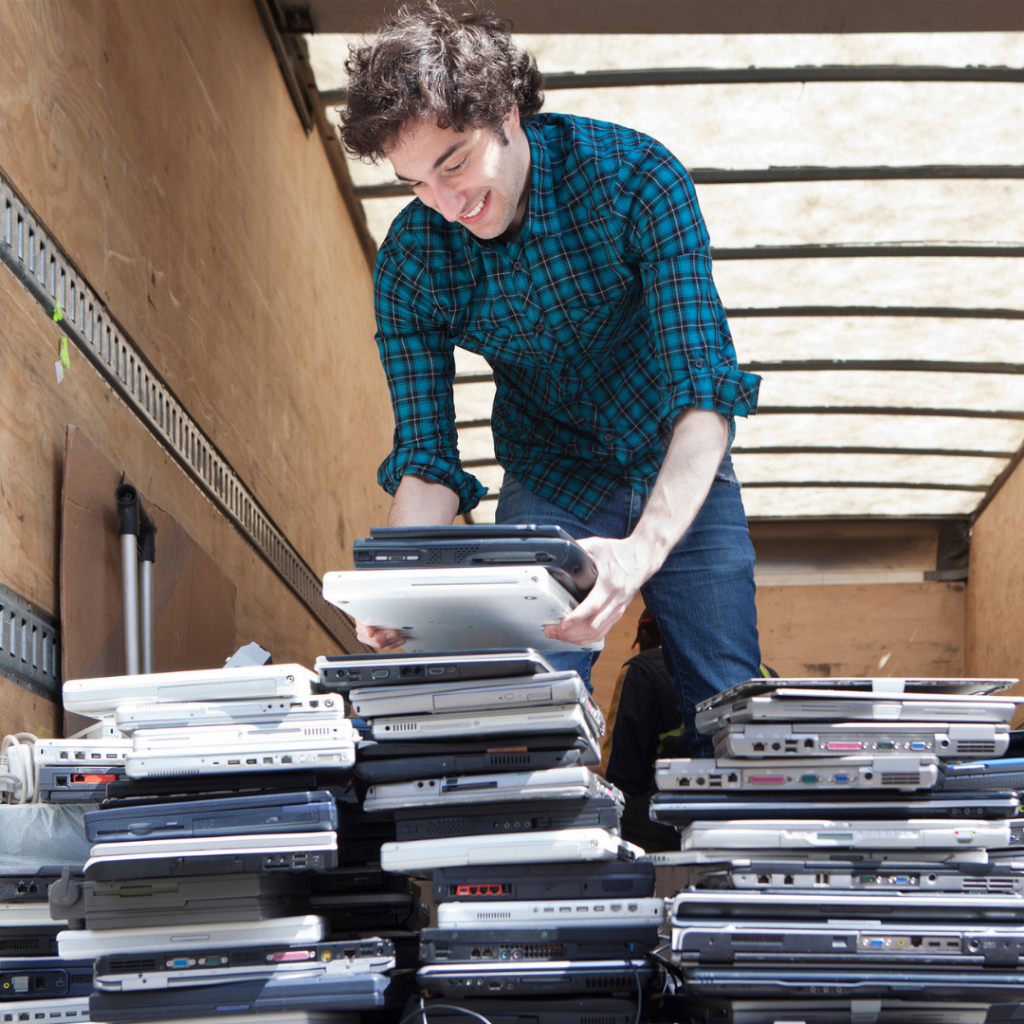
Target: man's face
{"type": "Point", "coordinates": [470, 177]}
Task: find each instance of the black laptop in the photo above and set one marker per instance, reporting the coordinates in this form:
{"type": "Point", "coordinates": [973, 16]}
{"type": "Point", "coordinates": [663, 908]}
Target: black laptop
{"type": "Point", "coordinates": [438, 547]}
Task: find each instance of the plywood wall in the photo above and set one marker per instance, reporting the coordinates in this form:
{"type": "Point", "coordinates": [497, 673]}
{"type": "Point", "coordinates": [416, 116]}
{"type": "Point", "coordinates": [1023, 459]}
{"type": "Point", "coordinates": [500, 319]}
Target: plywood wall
{"type": "Point", "coordinates": [159, 145]}
{"type": "Point", "coordinates": [995, 592]}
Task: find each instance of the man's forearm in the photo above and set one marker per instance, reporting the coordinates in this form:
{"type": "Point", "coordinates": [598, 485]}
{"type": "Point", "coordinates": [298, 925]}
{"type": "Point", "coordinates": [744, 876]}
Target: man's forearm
{"type": "Point", "coordinates": [422, 502]}
{"type": "Point", "coordinates": [694, 454]}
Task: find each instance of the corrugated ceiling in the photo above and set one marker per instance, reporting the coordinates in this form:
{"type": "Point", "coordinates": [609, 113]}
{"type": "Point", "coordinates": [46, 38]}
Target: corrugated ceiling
{"type": "Point", "coordinates": [868, 238]}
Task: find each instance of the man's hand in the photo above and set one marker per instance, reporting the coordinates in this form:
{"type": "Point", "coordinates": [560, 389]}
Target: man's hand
{"type": "Point", "coordinates": [622, 569]}
{"type": "Point", "coordinates": [699, 439]}
{"type": "Point", "coordinates": [379, 639]}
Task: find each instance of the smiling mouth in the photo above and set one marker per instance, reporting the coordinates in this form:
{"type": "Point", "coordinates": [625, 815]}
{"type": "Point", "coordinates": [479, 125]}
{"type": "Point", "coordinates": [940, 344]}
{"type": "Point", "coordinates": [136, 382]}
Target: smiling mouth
{"type": "Point", "coordinates": [477, 210]}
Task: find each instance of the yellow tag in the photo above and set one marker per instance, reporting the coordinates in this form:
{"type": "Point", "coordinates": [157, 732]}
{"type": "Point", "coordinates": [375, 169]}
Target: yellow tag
{"type": "Point", "coordinates": [64, 357]}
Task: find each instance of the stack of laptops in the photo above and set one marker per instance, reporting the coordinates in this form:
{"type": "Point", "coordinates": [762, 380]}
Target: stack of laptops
{"type": "Point", "coordinates": [35, 983]}
{"type": "Point", "coordinates": [829, 870]}
{"type": "Point", "coordinates": [448, 588]}
{"type": "Point", "coordinates": [481, 758]}
{"type": "Point", "coordinates": [229, 867]}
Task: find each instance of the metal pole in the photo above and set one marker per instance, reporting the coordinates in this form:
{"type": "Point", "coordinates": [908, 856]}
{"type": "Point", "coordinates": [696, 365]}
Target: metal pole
{"type": "Point", "coordinates": [130, 603]}
{"type": "Point", "coordinates": [146, 613]}
{"type": "Point", "coordinates": [128, 528]}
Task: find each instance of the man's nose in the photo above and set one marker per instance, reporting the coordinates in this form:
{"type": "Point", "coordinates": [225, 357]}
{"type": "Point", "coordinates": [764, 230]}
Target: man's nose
{"type": "Point", "coordinates": [449, 202]}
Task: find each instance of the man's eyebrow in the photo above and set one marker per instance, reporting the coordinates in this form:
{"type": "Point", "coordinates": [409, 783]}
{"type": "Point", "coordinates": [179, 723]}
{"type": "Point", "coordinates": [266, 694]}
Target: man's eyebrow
{"type": "Point", "coordinates": [440, 160]}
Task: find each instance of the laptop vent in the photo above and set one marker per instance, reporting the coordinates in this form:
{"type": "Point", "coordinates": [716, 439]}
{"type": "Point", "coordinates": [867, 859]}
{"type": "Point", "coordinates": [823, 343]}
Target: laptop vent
{"type": "Point", "coordinates": [180, 771]}
{"type": "Point", "coordinates": [976, 747]}
{"type": "Point", "coordinates": [507, 760]}
{"type": "Point", "coordinates": [597, 1019]}
{"type": "Point", "coordinates": [755, 939]}
{"type": "Point", "coordinates": [131, 964]}
{"type": "Point", "coordinates": [609, 981]}
{"type": "Point", "coordinates": [28, 944]}
{"type": "Point", "coordinates": [451, 556]}
{"type": "Point", "coordinates": [493, 915]}
{"type": "Point", "coordinates": [440, 827]}
{"type": "Point", "coordinates": [312, 731]}
{"type": "Point", "coordinates": [403, 727]}
{"type": "Point", "coordinates": [901, 778]}
{"type": "Point", "coordinates": [993, 885]}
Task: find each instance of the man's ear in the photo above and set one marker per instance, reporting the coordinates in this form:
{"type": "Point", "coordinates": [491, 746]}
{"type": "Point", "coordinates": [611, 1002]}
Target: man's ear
{"type": "Point", "coordinates": [512, 122]}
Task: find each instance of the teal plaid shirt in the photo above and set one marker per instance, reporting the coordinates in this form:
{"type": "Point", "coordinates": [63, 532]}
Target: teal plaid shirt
{"type": "Point", "coordinates": [600, 321]}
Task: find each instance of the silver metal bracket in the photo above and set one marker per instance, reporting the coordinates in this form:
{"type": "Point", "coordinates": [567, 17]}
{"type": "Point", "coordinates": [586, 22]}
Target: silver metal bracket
{"type": "Point", "coordinates": [29, 646]}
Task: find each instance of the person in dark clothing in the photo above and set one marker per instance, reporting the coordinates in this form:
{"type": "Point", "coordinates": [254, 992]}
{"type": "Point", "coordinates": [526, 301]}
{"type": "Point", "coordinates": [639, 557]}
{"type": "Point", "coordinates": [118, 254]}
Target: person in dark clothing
{"type": "Point", "coordinates": [646, 725]}
{"type": "Point", "coordinates": [646, 715]}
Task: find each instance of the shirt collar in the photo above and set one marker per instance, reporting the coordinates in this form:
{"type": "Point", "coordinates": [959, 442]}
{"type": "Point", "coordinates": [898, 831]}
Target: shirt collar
{"type": "Point", "coordinates": [541, 212]}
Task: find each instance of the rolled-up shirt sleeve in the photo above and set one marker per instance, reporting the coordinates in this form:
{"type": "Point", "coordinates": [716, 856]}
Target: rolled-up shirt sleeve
{"type": "Point", "coordinates": [683, 310]}
{"type": "Point", "coordinates": [419, 362]}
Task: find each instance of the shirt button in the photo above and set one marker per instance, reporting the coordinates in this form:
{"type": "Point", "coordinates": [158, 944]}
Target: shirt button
{"type": "Point", "coordinates": [698, 364]}
{"type": "Point", "coordinates": [538, 328]}
{"type": "Point", "coordinates": [517, 265]}
{"type": "Point", "coordinates": [609, 437]}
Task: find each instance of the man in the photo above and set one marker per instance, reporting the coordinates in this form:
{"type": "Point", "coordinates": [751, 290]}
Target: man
{"type": "Point", "coordinates": [572, 255]}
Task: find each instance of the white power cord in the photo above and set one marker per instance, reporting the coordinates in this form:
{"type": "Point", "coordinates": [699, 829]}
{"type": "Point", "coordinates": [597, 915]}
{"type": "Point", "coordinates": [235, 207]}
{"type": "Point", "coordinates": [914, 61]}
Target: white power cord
{"type": "Point", "coordinates": [19, 774]}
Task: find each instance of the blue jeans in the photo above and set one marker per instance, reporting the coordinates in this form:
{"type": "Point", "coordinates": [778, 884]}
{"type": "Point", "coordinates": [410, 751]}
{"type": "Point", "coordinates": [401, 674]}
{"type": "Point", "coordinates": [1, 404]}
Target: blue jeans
{"type": "Point", "coordinates": [702, 597]}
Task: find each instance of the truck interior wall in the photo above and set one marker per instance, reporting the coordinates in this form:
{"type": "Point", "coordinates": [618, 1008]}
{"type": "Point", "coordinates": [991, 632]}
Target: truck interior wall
{"type": "Point", "coordinates": [157, 143]}
{"type": "Point", "coordinates": [995, 591]}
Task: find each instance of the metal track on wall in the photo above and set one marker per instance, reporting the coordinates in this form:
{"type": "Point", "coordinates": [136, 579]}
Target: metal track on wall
{"type": "Point", "coordinates": [29, 251]}
{"type": "Point", "coordinates": [29, 646]}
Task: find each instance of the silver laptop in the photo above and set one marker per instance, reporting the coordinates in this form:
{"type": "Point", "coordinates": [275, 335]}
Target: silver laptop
{"type": "Point", "coordinates": [457, 609]}
{"type": "Point", "coordinates": [573, 783]}
{"type": "Point", "coordinates": [828, 739]}
{"type": "Point", "coordinates": [455, 725]}
{"type": "Point", "coordinates": [185, 967]}
{"type": "Point", "coordinates": [428, 698]}
{"type": "Point", "coordinates": [798, 834]}
{"type": "Point", "coordinates": [104, 695]}
{"type": "Point", "coordinates": [904, 873]}
{"type": "Point", "coordinates": [790, 705]}
{"type": "Point", "coordinates": [855, 771]}
{"type": "Point", "coordinates": [86, 943]}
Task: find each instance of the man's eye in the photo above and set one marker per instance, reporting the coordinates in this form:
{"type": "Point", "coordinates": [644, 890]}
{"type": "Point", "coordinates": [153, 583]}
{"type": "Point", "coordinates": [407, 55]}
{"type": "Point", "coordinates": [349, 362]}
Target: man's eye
{"type": "Point", "coordinates": [457, 167]}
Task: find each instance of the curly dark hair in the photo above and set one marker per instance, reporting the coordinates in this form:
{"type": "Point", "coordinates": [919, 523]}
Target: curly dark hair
{"type": "Point", "coordinates": [425, 62]}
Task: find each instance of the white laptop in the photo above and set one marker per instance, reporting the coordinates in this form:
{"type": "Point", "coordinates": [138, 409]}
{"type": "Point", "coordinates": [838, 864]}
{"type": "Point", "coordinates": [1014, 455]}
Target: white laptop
{"type": "Point", "coordinates": [332, 728]}
{"type": "Point", "coordinates": [88, 943]}
{"type": "Point", "coordinates": [250, 755]}
{"type": "Point", "coordinates": [573, 783]}
{"type": "Point", "coordinates": [915, 834]}
{"type": "Point", "coordinates": [184, 714]}
{"type": "Point", "coordinates": [50, 1009]}
{"type": "Point", "coordinates": [457, 609]}
{"type": "Point", "coordinates": [80, 755]}
{"type": "Point", "coordinates": [104, 695]}
{"type": "Point", "coordinates": [565, 846]}
{"type": "Point", "coordinates": [541, 913]}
